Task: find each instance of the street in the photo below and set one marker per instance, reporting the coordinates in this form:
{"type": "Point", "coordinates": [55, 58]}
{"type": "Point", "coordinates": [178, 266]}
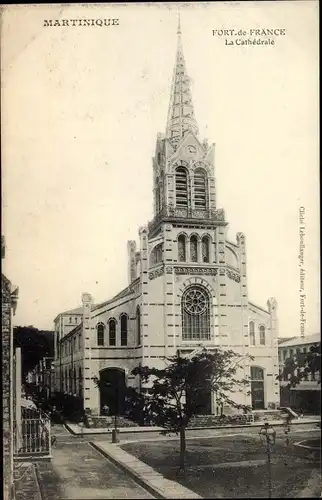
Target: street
{"type": "Point", "coordinates": [79, 472]}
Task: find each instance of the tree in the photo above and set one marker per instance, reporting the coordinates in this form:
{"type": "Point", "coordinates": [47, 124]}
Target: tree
{"type": "Point", "coordinates": [35, 344]}
{"type": "Point", "coordinates": [171, 400]}
{"type": "Point", "coordinates": [301, 365]}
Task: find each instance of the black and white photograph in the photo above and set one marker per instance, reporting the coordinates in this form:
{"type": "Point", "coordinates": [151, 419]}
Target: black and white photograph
{"type": "Point", "coordinates": [160, 250]}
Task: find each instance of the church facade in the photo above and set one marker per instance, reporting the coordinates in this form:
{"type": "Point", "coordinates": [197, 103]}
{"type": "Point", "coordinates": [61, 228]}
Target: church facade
{"type": "Point", "coordinates": [187, 284]}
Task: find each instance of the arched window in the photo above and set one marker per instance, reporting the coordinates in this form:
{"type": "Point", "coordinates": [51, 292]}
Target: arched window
{"type": "Point", "coordinates": [156, 254]}
{"type": "Point", "coordinates": [70, 319]}
{"type": "Point", "coordinates": [100, 333]}
{"type": "Point", "coordinates": [195, 310]}
{"type": "Point", "coordinates": [182, 248]}
{"type": "Point", "coordinates": [124, 329]}
{"type": "Point", "coordinates": [262, 335]}
{"type": "Point", "coordinates": [200, 188]}
{"type": "Point", "coordinates": [112, 331]}
{"type": "Point", "coordinates": [138, 325]}
{"type": "Point", "coordinates": [181, 187]}
{"type": "Point", "coordinates": [251, 333]}
{"type": "Point", "coordinates": [205, 245]}
{"type": "Point", "coordinates": [194, 248]}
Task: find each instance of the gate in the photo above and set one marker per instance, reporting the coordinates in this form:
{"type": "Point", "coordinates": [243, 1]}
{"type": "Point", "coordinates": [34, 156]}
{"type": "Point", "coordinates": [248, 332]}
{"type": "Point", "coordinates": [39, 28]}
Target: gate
{"type": "Point", "coordinates": [33, 435]}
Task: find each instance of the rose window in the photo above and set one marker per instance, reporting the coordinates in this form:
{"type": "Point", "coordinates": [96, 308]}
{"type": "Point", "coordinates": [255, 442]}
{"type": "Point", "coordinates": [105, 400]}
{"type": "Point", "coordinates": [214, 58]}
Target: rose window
{"type": "Point", "coordinates": [195, 301]}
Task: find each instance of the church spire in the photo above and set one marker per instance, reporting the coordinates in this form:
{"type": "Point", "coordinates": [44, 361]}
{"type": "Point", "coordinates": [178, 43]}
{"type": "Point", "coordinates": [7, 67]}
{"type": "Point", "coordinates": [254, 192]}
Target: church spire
{"type": "Point", "coordinates": [181, 116]}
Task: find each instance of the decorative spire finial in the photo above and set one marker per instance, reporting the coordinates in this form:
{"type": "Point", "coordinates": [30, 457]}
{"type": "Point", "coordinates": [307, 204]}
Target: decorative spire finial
{"type": "Point", "coordinates": [181, 117]}
{"type": "Point", "coordinates": [179, 26]}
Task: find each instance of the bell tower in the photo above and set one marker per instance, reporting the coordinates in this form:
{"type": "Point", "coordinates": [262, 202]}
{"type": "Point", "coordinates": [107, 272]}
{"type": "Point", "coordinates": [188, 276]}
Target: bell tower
{"type": "Point", "coordinates": [183, 165]}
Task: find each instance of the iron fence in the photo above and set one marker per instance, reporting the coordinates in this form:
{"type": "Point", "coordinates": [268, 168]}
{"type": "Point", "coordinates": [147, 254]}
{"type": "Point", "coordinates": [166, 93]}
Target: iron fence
{"type": "Point", "coordinates": [33, 434]}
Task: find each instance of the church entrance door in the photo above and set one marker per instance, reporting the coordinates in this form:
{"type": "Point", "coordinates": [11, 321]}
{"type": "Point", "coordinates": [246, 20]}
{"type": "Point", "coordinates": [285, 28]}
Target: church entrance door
{"type": "Point", "coordinates": [257, 388]}
{"type": "Point", "coordinates": [200, 400]}
{"type": "Point", "coordinates": [112, 391]}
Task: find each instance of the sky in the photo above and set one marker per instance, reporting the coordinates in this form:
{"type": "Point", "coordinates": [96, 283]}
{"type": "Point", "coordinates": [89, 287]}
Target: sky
{"type": "Point", "coordinates": [81, 108]}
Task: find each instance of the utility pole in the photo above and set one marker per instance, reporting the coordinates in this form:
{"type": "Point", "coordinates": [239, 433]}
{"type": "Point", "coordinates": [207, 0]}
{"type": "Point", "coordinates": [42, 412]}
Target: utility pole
{"type": "Point", "coordinates": [268, 434]}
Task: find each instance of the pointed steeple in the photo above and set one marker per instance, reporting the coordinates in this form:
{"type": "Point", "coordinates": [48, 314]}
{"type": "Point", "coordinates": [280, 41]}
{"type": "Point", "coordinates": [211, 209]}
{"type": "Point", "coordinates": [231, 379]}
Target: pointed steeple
{"type": "Point", "coordinates": [181, 117]}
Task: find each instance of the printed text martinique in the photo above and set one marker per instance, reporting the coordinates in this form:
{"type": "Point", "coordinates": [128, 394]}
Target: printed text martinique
{"type": "Point", "coordinates": [81, 22]}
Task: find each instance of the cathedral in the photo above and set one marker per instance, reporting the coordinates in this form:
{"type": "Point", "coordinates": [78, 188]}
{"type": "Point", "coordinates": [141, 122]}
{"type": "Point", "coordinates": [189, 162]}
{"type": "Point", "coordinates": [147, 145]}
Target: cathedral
{"type": "Point", "coordinates": [187, 284]}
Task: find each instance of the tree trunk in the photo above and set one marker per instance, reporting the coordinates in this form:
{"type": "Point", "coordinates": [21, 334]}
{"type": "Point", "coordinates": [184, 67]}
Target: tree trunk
{"type": "Point", "coordinates": [182, 447]}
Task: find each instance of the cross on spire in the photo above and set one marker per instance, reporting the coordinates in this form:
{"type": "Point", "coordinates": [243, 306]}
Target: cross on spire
{"type": "Point", "coordinates": [181, 117]}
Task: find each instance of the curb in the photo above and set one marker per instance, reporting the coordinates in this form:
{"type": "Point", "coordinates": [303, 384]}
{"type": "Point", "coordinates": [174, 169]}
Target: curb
{"type": "Point", "coordinates": [124, 430]}
{"type": "Point", "coordinates": [136, 477]}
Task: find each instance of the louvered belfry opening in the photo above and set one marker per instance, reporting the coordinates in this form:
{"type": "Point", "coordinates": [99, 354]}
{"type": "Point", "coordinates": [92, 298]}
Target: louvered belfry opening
{"type": "Point", "coordinates": [200, 188]}
{"type": "Point", "coordinates": [181, 187]}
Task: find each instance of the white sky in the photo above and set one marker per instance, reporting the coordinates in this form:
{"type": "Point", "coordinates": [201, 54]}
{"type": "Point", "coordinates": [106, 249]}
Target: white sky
{"type": "Point", "coordinates": [81, 108]}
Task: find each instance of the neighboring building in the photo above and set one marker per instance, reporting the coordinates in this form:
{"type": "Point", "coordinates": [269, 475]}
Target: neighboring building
{"type": "Point", "coordinates": [9, 295]}
{"type": "Point", "coordinates": [187, 283]}
{"type": "Point", "coordinates": [43, 376]}
{"type": "Point", "coordinates": [307, 394]}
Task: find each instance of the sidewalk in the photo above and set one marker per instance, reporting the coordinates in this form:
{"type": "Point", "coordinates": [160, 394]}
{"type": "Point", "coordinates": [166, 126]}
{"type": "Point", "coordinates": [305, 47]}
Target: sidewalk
{"type": "Point", "coordinates": [81, 430]}
{"type": "Point", "coordinates": [145, 475]}
{"type": "Point", "coordinates": [26, 483]}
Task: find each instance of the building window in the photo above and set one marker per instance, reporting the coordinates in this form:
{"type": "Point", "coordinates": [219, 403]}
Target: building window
{"type": "Point", "coordinates": [194, 248]}
{"type": "Point", "coordinates": [205, 245]}
{"type": "Point", "coordinates": [200, 188]}
{"type": "Point", "coordinates": [304, 350]}
{"type": "Point", "coordinates": [262, 335]}
{"type": "Point", "coordinates": [138, 325]}
{"type": "Point", "coordinates": [156, 254]}
{"type": "Point", "coordinates": [70, 320]}
{"type": "Point", "coordinates": [158, 198]}
{"type": "Point", "coordinates": [100, 334]}
{"type": "Point", "coordinates": [256, 373]}
{"type": "Point", "coordinates": [181, 187]}
{"type": "Point", "coordinates": [112, 331]}
{"type": "Point", "coordinates": [182, 248]}
{"type": "Point", "coordinates": [124, 329]}
{"type": "Point", "coordinates": [284, 354]}
{"type": "Point", "coordinates": [291, 352]}
{"type": "Point", "coordinates": [74, 389]}
{"type": "Point", "coordinates": [298, 350]}
{"type": "Point", "coordinates": [75, 319]}
{"type": "Point", "coordinates": [251, 333]}
{"type": "Point", "coordinates": [80, 381]}
{"type": "Point", "coordinates": [195, 310]}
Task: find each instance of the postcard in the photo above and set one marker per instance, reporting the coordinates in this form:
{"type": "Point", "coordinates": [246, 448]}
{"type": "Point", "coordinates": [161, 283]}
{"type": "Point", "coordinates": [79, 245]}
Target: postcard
{"type": "Point", "coordinates": [160, 249]}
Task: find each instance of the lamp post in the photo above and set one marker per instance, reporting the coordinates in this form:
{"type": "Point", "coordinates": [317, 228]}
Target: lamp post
{"type": "Point", "coordinates": [268, 436]}
{"type": "Point", "coordinates": [115, 438]}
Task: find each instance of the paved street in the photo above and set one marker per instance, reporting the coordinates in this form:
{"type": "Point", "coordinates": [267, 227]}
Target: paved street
{"type": "Point", "coordinates": [79, 472]}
